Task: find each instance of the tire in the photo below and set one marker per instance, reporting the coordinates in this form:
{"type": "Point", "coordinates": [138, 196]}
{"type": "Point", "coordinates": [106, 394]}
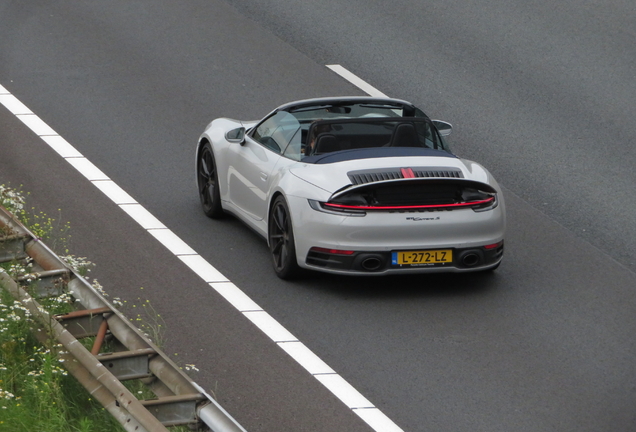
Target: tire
{"type": "Point", "coordinates": [208, 183]}
{"type": "Point", "coordinates": [281, 240]}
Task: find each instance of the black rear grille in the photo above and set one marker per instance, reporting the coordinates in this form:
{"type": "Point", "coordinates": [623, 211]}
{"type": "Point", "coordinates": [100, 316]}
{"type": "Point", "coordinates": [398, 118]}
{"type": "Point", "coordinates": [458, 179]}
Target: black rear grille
{"type": "Point", "coordinates": [372, 176]}
{"type": "Point", "coordinates": [412, 194]}
{"type": "Point", "coordinates": [416, 194]}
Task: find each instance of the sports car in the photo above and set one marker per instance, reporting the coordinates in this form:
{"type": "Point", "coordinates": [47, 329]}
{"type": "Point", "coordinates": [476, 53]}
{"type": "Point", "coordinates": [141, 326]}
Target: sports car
{"type": "Point", "coordinates": [353, 185]}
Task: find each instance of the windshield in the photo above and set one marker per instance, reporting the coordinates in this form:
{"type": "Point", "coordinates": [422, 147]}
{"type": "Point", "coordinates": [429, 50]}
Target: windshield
{"type": "Point", "coordinates": [332, 135]}
{"type": "Point", "coordinates": [278, 132]}
{"type": "Point", "coordinates": [326, 136]}
{"type": "Point", "coordinates": [326, 127]}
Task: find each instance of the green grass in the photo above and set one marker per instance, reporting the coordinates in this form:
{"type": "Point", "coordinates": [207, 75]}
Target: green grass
{"type": "Point", "coordinates": [36, 392]}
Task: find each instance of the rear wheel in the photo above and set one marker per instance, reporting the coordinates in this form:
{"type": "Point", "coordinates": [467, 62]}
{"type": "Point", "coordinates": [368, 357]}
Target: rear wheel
{"type": "Point", "coordinates": [281, 240]}
{"type": "Point", "coordinates": [208, 182]}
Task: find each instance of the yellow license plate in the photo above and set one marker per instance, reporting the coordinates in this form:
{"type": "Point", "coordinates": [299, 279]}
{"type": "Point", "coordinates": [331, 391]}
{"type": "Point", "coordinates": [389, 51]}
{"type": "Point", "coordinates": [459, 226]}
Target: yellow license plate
{"type": "Point", "coordinates": [422, 258]}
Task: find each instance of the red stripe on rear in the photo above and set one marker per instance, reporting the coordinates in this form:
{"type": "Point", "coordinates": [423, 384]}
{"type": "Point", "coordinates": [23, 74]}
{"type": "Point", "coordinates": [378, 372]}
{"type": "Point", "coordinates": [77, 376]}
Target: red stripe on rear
{"type": "Point", "coordinates": [407, 173]}
{"type": "Point", "coordinates": [410, 207]}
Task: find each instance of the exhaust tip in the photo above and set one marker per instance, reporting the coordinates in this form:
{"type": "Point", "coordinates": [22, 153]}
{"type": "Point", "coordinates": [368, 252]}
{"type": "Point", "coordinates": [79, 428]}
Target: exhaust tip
{"type": "Point", "coordinates": [371, 264]}
{"type": "Point", "coordinates": [471, 259]}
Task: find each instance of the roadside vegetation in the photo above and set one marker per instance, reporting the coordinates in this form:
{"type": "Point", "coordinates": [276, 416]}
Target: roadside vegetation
{"type": "Point", "coordinates": [36, 392]}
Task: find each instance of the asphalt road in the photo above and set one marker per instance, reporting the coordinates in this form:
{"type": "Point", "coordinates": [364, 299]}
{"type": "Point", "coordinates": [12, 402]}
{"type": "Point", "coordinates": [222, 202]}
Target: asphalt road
{"type": "Point", "coordinates": [540, 93]}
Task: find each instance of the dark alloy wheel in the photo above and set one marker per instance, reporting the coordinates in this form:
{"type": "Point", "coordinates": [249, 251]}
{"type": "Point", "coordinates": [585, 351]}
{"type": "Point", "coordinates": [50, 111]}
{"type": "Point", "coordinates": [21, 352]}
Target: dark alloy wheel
{"type": "Point", "coordinates": [281, 240]}
{"type": "Point", "coordinates": [208, 182]}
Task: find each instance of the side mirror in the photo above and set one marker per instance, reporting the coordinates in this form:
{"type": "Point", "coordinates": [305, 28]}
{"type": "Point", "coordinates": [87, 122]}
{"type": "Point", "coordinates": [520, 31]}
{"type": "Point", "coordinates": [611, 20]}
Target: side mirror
{"type": "Point", "coordinates": [443, 127]}
{"type": "Point", "coordinates": [236, 135]}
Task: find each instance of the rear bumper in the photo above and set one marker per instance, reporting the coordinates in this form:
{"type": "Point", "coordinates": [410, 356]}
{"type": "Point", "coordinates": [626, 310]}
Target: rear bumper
{"type": "Point", "coordinates": [381, 263]}
{"type": "Point", "coordinates": [372, 239]}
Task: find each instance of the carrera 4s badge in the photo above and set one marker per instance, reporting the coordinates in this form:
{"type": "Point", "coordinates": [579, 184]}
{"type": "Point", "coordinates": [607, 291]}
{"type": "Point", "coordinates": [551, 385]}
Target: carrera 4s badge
{"type": "Point", "coordinates": [417, 219]}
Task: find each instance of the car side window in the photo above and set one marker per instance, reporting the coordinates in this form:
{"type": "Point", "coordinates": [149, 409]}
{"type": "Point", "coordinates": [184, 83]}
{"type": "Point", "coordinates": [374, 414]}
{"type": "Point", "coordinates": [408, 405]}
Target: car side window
{"type": "Point", "coordinates": [426, 135]}
{"type": "Point", "coordinates": [293, 150]}
{"type": "Point", "coordinates": [277, 131]}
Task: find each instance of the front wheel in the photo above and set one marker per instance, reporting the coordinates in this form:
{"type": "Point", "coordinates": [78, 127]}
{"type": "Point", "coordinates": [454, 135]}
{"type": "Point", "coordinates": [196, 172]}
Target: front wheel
{"type": "Point", "coordinates": [208, 183]}
{"type": "Point", "coordinates": [281, 240]}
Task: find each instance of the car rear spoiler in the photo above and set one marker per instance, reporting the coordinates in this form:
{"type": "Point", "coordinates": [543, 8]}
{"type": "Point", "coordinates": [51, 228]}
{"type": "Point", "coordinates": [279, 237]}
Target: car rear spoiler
{"type": "Point", "coordinates": [463, 183]}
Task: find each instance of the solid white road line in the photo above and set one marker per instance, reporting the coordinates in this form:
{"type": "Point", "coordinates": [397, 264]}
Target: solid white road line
{"type": "Point", "coordinates": [351, 397]}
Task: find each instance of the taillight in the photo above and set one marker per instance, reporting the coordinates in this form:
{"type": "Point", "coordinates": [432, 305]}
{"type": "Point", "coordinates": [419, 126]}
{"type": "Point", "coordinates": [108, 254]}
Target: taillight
{"type": "Point", "coordinates": [331, 251]}
{"type": "Point", "coordinates": [493, 203]}
{"type": "Point", "coordinates": [476, 205]}
{"type": "Point", "coordinates": [494, 245]}
{"type": "Point", "coordinates": [322, 207]}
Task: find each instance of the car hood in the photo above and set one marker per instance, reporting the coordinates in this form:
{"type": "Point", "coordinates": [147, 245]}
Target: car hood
{"type": "Point", "coordinates": [336, 176]}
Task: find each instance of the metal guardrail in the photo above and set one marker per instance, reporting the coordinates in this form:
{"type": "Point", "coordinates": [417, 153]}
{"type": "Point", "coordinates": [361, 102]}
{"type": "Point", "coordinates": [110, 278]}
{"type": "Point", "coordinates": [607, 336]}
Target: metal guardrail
{"type": "Point", "coordinates": [178, 399]}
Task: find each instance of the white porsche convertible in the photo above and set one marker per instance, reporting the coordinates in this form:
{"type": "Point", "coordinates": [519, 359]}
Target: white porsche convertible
{"type": "Point", "coordinates": [353, 185]}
